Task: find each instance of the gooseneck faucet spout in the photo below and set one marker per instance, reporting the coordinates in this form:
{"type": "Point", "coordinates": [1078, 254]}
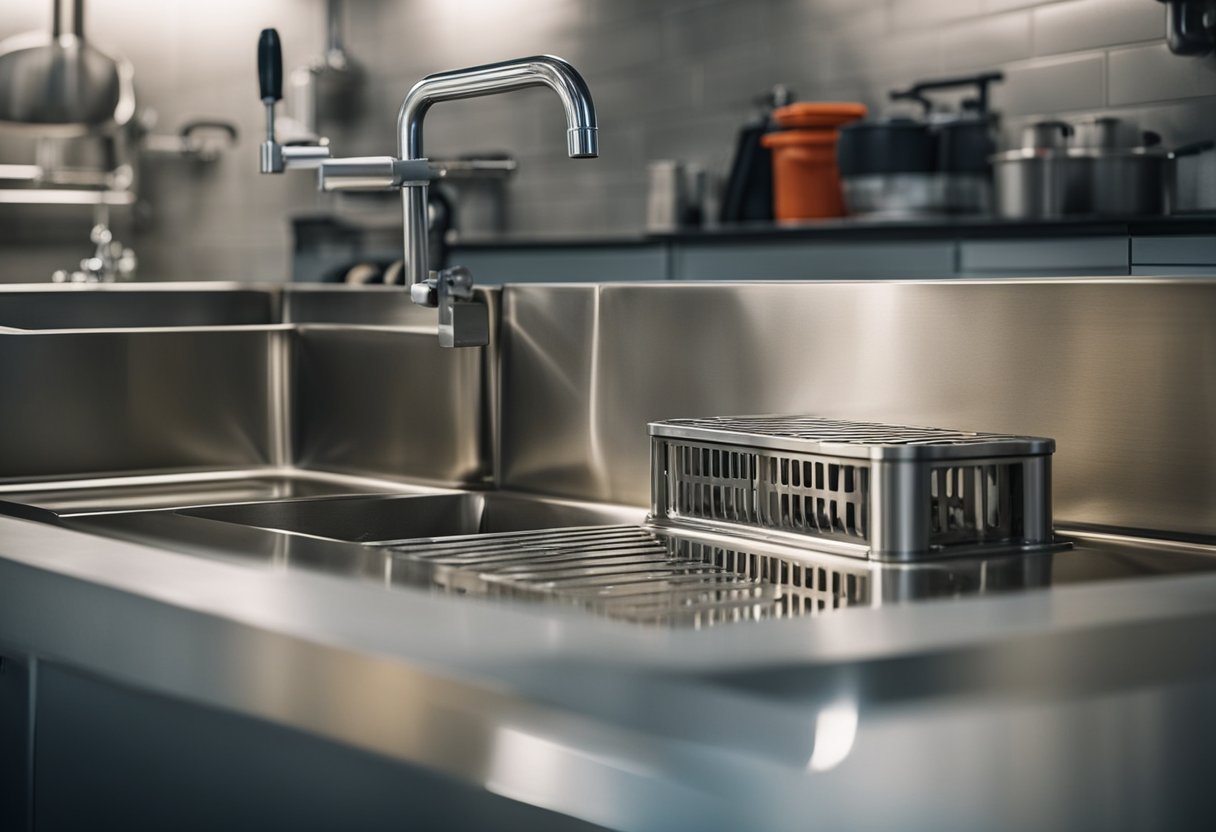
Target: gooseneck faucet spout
{"type": "Point", "coordinates": [582, 140]}
{"type": "Point", "coordinates": [582, 134]}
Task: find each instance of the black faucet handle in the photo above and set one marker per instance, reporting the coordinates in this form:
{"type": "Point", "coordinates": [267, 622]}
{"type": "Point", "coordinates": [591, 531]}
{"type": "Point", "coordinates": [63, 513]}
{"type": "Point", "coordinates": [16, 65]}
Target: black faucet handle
{"type": "Point", "coordinates": [270, 66]}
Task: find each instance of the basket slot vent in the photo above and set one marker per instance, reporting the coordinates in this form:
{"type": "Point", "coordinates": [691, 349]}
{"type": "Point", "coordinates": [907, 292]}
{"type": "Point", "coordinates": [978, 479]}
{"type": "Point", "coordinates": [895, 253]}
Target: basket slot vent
{"type": "Point", "coordinates": [973, 503]}
{"type": "Point", "coordinates": [767, 490]}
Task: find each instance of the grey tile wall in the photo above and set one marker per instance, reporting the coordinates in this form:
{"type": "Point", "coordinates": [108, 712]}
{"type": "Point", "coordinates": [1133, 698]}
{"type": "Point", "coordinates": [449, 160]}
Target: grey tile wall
{"type": "Point", "coordinates": [673, 78]}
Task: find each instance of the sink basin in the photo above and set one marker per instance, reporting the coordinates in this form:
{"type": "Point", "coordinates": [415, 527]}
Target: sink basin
{"type": "Point", "coordinates": [394, 518]}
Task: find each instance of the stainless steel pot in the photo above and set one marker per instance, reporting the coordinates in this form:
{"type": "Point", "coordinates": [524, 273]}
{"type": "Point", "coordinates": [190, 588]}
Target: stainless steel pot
{"type": "Point", "coordinates": [1041, 179]}
{"type": "Point", "coordinates": [1128, 177]}
{"type": "Point", "coordinates": [1033, 183]}
{"type": "Point", "coordinates": [1103, 167]}
{"type": "Point", "coordinates": [1192, 179]}
{"type": "Point", "coordinates": [58, 84]}
{"type": "Point", "coordinates": [1128, 182]}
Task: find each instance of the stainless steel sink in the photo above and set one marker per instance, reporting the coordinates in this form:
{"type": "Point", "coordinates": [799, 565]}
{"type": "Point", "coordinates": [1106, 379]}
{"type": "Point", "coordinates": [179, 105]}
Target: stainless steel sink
{"type": "Point", "coordinates": [394, 518]}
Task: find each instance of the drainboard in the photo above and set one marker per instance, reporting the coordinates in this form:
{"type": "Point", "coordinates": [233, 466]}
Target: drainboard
{"type": "Point", "coordinates": [605, 562]}
{"type": "Point", "coordinates": [624, 572]}
{"type": "Point", "coordinates": [669, 578]}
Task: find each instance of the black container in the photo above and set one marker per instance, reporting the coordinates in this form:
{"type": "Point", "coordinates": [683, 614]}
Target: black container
{"type": "Point", "coordinates": [748, 193]}
{"type": "Point", "coordinates": [889, 146]}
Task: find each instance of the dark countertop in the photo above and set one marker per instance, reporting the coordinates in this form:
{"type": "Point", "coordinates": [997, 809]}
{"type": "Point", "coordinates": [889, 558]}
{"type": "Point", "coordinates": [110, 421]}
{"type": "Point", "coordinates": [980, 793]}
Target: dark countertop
{"type": "Point", "coordinates": [852, 229]}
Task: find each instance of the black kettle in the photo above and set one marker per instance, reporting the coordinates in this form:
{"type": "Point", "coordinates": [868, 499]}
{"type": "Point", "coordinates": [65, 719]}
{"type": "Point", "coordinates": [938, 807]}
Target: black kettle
{"type": "Point", "coordinates": [748, 193]}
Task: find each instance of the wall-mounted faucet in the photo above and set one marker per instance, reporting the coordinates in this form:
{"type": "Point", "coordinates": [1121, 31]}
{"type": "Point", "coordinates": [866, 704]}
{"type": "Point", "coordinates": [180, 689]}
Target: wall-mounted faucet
{"type": "Point", "coordinates": [462, 321]}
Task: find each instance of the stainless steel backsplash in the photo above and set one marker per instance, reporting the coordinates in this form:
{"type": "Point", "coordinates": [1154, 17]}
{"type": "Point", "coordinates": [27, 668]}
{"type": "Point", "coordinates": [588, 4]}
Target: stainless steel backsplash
{"type": "Point", "coordinates": [1121, 373]}
{"type": "Point", "coordinates": [107, 402]}
{"type": "Point", "coordinates": [162, 380]}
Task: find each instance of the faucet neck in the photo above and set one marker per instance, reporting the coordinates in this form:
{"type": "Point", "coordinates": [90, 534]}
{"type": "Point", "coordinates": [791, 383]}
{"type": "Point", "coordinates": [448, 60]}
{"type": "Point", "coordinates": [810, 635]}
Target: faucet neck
{"type": "Point", "coordinates": [490, 79]}
{"type": "Point", "coordinates": [505, 76]}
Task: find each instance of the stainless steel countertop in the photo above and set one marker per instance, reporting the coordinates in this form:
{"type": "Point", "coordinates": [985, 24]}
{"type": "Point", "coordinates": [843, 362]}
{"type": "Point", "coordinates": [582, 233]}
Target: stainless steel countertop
{"type": "Point", "coordinates": [1081, 706]}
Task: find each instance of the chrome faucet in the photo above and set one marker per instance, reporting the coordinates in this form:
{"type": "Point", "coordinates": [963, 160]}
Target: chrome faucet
{"type": "Point", "coordinates": [582, 142]}
{"type": "Point", "coordinates": [462, 320]}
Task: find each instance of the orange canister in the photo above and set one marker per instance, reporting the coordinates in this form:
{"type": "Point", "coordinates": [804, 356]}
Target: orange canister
{"type": "Point", "coordinates": [806, 182]}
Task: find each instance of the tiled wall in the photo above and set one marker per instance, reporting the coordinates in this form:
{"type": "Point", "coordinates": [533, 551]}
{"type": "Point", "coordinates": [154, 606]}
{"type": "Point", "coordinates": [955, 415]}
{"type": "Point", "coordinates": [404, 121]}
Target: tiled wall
{"type": "Point", "coordinates": [191, 59]}
{"type": "Point", "coordinates": [671, 78]}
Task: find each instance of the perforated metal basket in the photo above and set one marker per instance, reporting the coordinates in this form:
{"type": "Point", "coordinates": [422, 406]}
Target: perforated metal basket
{"type": "Point", "coordinates": [870, 490]}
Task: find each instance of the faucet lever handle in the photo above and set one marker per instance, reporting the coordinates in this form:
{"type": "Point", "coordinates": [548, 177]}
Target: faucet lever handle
{"type": "Point", "coordinates": [270, 66]}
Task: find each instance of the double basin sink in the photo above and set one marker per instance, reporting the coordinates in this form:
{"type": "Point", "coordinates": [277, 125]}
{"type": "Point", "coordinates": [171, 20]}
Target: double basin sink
{"type": "Point", "coordinates": [284, 423]}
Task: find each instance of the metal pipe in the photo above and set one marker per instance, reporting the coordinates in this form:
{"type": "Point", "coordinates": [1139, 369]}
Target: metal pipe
{"type": "Point", "coordinates": [333, 29]}
{"type": "Point", "coordinates": [491, 79]}
{"type": "Point", "coordinates": [67, 18]}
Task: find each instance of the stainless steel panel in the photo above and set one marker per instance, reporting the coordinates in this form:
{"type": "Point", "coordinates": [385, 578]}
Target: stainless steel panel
{"type": "Point", "coordinates": [391, 402]}
{"type": "Point", "coordinates": [133, 493]}
{"type": "Point", "coordinates": [89, 402]}
{"type": "Point", "coordinates": [124, 380]}
{"type": "Point", "coordinates": [548, 363]}
{"type": "Point", "coordinates": [1121, 373]}
{"type": "Point", "coordinates": [359, 306]}
{"type": "Point", "coordinates": [107, 307]}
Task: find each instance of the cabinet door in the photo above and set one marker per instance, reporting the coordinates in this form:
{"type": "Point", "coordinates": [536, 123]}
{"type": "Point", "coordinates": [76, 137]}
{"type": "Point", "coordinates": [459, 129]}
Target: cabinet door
{"type": "Point", "coordinates": [815, 260]}
{"type": "Point", "coordinates": [15, 733]}
{"type": "Point", "coordinates": [1066, 257]}
{"type": "Point", "coordinates": [114, 757]}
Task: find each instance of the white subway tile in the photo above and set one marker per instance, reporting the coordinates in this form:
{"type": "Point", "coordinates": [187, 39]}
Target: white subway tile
{"type": "Point", "coordinates": [1089, 24]}
{"type": "Point", "coordinates": [1144, 74]}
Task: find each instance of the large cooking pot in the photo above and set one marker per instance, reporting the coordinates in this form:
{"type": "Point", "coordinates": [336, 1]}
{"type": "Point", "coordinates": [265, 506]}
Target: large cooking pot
{"type": "Point", "coordinates": [1128, 167]}
{"type": "Point", "coordinates": [58, 84]}
{"type": "Point", "coordinates": [1103, 167]}
{"type": "Point", "coordinates": [887, 168]}
{"type": "Point", "coordinates": [905, 167]}
{"type": "Point", "coordinates": [1041, 179]}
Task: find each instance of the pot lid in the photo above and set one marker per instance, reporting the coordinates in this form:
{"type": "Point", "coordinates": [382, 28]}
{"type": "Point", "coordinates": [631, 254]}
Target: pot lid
{"type": "Point", "coordinates": [818, 114]}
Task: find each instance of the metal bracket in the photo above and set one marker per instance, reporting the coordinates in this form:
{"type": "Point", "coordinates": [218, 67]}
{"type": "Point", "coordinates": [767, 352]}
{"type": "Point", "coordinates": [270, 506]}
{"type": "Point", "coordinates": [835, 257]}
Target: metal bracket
{"type": "Point", "coordinates": [276, 158]}
{"type": "Point", "coordinates": [463, 321]}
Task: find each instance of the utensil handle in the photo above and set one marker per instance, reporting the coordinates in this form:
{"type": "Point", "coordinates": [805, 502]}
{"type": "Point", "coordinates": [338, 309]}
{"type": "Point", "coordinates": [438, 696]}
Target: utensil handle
{"type": "Point", "coordinates": [270, 66]}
